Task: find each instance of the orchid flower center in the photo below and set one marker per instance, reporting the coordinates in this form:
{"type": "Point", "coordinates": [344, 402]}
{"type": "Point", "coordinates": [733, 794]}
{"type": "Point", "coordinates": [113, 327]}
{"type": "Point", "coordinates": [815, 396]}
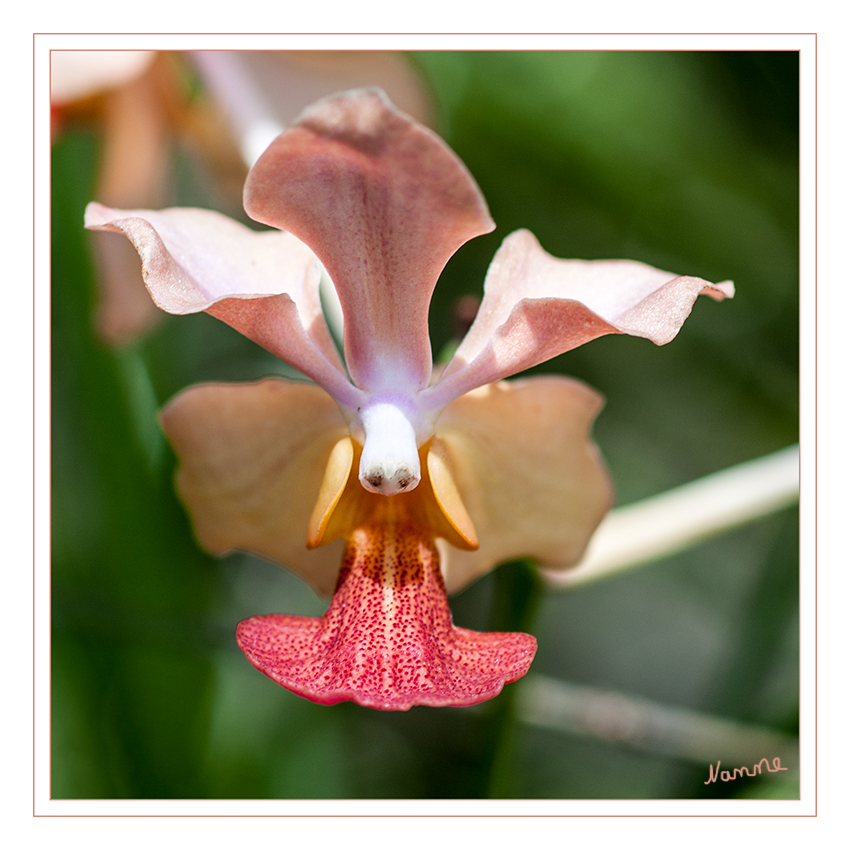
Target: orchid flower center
{"type": "Point", "coordinates": [391, 429]}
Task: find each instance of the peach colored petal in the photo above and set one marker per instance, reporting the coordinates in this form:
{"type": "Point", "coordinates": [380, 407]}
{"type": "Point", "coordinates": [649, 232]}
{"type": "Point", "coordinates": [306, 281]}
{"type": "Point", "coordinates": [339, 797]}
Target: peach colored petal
{"type": "Point", "coordinates": [528, 473]}
{"type": "Point", "coordinates": [384, 203]}
{"type": "Point", "coordinates": [252, 460]}
{"type": "Point", "coordinates": [536, 306]}
{"type": "Point", "coordinates": [265, 285]}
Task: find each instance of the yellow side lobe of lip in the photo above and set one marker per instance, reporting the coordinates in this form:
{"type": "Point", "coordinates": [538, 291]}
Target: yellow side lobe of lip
{"type": "Point", "coordinates": [337, 472]}
{"type": "Point", "coordinates": [435, 506]}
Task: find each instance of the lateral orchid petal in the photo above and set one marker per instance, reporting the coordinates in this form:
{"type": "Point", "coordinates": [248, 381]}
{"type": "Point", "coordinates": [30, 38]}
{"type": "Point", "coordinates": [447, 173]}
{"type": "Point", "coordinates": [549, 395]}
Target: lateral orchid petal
{"type": "Point", "coordinates": [384, 203]}
{"type": "Point", "coordinates": [537, 306]}
{"type": "Point", "coordinates": [265, 285]}
{"type": "Point", "coordinates": [528, 473]}
{"type": "Point", "coordinates": [252, 461]}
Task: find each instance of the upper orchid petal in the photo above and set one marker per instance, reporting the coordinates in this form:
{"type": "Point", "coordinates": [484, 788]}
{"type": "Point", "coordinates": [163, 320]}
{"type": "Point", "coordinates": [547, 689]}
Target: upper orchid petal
{"type": "Point", "coordinates": [528, 473]}
{"type": "Point", "coordinates": [265, 285]}
{"type": "Point", "coordinates": [252, 461]}
{"type": "Point", "coordinates": [384, 203]}
{"type": "Point", "coordinates": [536, 306]}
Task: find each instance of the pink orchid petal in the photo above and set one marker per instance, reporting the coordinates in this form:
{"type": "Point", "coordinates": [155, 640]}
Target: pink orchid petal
{"type": "Point", "coordinates": [265, 285]}
{"type": "Point", "coordinates": [384, 203]}
{"type": "Point", "coordinates": [252, 460]}
{"type": "Point", "coordinates": [387, 640]}
{"type": "Point", "coordinates": [536, 306]}
{"type": "Point", "coordinates": [529, 475]}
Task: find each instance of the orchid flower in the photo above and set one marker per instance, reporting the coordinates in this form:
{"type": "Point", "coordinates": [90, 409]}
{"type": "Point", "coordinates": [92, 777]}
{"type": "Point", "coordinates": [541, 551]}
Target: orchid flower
{"type": "Point", "coordinates": [416, 483]}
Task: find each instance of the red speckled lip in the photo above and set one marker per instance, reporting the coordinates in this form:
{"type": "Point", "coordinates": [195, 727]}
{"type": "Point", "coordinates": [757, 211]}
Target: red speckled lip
{"type": "Point", "coordinates": [387, 639]}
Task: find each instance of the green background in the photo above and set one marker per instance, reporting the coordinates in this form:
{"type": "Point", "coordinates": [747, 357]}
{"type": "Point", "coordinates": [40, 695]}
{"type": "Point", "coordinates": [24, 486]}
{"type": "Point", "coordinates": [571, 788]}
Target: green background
{"type": "Point", "coordinates": [687, 161]}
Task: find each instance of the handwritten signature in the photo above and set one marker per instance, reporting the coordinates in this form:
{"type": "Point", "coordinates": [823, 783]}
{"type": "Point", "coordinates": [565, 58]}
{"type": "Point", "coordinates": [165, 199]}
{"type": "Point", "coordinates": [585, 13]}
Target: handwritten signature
{"type": "Point", "coordinates": [714, 772]}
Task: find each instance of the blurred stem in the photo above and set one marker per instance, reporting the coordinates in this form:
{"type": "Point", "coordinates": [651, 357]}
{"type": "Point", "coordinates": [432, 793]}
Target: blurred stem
{"type": "Point", "coordinates": [252, 119]}
{"type": "Point", "coordinates": [517, 595]}
{"type": "Point", "coordinates": [662, 525]}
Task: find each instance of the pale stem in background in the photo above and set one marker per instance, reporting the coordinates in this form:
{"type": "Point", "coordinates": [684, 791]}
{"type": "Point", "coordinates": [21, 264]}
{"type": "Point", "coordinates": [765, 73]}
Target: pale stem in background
{"type": "Point", "coordinates": [677, 519]}
{"type": "Point", "coordinates": [649, 726]}
{"type": "Point", "coordinates": [253, 123]}
{"type": "Point", "coordinates": [255, 127]}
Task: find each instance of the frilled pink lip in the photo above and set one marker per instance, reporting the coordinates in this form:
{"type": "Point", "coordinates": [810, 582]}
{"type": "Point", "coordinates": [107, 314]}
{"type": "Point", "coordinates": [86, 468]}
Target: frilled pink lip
{"type": "Point", "coordinates": [387, 641]}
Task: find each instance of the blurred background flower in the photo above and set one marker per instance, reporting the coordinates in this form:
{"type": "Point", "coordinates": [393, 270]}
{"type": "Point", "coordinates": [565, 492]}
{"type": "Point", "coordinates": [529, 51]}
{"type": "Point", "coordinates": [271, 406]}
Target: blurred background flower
{"type": "Point", "coordinates": [142, 103]}
{"type": "Point", "coordinates": [683, 160]}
